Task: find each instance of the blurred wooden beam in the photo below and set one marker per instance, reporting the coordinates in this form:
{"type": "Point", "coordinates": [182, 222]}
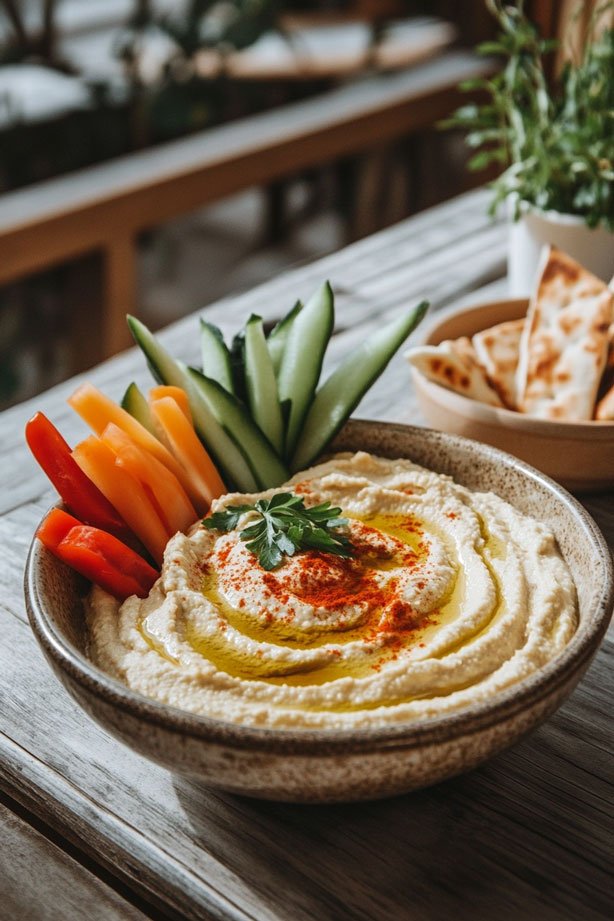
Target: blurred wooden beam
{"type": "Point", "coordinates": [105, 207]}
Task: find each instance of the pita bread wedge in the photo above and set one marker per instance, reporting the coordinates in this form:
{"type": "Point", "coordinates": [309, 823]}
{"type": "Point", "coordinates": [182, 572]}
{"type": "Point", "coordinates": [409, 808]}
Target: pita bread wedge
{"type": "Point", "coordinates": [605, 407]}
{"type": "Point", "coordinates": [605, 398]}
{"type": "Point", "coordinates": [454, 365]}
{"type": "Point", "coordinates": [564, 344]}
{"type": "Point", "coordinates": [497, 350]}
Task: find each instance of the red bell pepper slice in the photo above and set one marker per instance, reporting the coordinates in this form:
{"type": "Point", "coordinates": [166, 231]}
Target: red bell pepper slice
{"type": "Point", "coordinates": [97, 555]}
{"type": "Point", "coordinates": [55, 527]}
{"type": "Point", "coordinates": [79, 494]}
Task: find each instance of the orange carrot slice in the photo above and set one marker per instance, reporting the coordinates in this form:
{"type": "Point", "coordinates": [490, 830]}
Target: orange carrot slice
{"type": "Point", "coordinates": [99, 410]}
{"type": "Point", "coordinates": [177, 394]}
{"type": "Point", "coordinates": [167, 493]}
{"type": "Point", "coordinates": [188, 450]}
{"type": "Point", "coordinates": [124, 492]}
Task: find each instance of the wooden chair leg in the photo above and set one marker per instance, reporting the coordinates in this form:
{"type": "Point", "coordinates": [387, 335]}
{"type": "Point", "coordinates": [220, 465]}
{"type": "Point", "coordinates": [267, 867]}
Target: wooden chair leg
{"type": "Point", "coordinates": [368, 180]}
{"type": "Point", "coordinates": [84, 299]}
{"type": "Point", "coordinates": [120, 294]}
{"type": "Point", "coordinates": [395, 187]}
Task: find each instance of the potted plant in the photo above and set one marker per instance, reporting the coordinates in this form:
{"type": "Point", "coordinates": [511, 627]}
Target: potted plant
{"type": "Point", "coordinates": [554, 142]}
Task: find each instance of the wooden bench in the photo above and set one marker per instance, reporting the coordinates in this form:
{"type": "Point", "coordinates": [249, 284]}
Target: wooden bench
{"type": "Point", "coordinates": [104, 208]}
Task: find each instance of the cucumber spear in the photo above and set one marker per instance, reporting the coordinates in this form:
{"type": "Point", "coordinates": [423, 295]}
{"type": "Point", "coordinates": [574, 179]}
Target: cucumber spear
{"type": "Point", "coordinates": [339, 396]}
{"type": "Point", "coordinates": [228, 456]}
{"type": "Point", "coordinates": [302, 359]}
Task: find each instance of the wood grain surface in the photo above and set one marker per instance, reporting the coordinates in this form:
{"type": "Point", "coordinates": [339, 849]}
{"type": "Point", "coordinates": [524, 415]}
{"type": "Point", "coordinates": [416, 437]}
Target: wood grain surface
{"type": "Point", "coordinates": [527, 836]}
{"type": "Point", "coordinates": [40, 882]}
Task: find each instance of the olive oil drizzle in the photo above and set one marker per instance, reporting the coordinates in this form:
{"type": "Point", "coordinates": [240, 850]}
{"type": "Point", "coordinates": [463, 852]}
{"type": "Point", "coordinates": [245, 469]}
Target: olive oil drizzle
{"type": "Point", "coordinates": [283, 635]}
{"type": "Point", "coordinates": [252, 667]}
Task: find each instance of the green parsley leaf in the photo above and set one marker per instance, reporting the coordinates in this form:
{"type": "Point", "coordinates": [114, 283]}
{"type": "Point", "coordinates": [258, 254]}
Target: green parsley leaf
{"type": "Point", "coordinates": [226, 521]}
{"type": "Point", "coordinates": [285, 526]}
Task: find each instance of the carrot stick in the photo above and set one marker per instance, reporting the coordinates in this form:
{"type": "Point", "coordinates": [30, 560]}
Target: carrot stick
{"type": "Point", "coordinates": [168, 495]}
{"type": "Point", "coordinates": [99, 410]}
{"type": "Point", "coordinates": [124, 492]}
{"type": "Point", "coordinates": [188, 450]}
{"type": "Point", "coordinates": [177, 393]}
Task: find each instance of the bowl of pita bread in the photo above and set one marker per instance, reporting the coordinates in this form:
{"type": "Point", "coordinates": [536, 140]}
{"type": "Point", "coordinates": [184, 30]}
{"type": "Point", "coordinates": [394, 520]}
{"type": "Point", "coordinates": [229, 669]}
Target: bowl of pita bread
{"type": "Point", "coordinates": [533, 376]}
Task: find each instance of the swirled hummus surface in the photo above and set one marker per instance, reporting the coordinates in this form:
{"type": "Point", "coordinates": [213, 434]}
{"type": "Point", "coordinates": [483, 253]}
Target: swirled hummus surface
{"type": "Point", "coordinates": [449, 597]}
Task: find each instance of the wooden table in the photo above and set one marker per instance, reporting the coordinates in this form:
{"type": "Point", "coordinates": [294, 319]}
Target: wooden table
{"type": "Point", "coordinates": [88, 823]}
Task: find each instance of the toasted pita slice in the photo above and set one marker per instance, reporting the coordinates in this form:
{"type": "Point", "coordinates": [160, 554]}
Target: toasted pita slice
{"type": "Point", "coordinates": [454, 365]}
{"type": "Point", "coordinates": [564, 344]}
{"type": "Point", "coordinates": [605, 406]}
{"type": "Point", "coordinates": [497, 350]}
{"type": "Point", "coordinates": [609, 362]}
{"type": "Point", "coordinates": [605, 397]}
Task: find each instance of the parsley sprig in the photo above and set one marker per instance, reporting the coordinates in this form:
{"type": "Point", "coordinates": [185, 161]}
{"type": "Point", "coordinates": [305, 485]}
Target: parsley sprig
{"type": "Point", "coordinates": [285, 526]}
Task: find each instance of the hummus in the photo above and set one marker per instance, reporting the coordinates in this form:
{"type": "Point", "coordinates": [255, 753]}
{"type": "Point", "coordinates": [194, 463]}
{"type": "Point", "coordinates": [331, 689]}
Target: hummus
{"type": "Point", "coordinates": [450, 597]}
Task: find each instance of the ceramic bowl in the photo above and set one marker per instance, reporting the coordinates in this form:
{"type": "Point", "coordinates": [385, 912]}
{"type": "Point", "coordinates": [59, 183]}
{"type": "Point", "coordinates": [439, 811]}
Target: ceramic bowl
{"type": "Point", "coordinates": [329, 766]}
{"type": "Point", "coordinates": [579, 455]}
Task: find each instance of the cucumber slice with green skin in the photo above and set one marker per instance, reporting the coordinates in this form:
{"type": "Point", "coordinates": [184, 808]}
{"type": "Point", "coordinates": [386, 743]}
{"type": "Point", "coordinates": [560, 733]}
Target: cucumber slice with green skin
{"type": "Point", "coordinates": [215, 354]}
{"type": "Point", "coordinates": [302, 359]}
{"type": "Point", "coordinates": [339, 396]}
{"type": "Point", "coordinates": [135, 402]}
{"type": "Point", "coordinates": [261, 383]}
{"type": "Point", "coordinates": [265, 463]}
{"type": "Point", "coordinates": [276, 340]}
{"type": "Point", "coordinates": [226, 454]}
{"type": "Point", "coordinates": [238, 370]}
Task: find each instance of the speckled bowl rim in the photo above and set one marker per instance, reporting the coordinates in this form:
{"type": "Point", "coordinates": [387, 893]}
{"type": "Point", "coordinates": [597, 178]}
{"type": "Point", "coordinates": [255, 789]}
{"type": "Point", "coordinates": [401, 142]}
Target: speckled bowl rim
{"type": "Point", "coordinates": [331, 742]}
{"type": "Point", "coordinates": [495, 415]}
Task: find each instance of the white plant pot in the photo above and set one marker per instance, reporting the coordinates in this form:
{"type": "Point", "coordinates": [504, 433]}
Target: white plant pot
{"type": "Point", "coordinates": [594, 249]}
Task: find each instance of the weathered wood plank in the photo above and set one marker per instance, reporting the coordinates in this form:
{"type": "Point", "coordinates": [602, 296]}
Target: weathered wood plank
{"type": "Point", "coordinates": [40, 882]}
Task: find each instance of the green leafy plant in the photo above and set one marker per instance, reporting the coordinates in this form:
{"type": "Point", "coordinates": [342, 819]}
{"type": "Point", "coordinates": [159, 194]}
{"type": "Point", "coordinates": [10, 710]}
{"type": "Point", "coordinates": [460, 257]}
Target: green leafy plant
{"type": "Point", "coordinates": [555, 142]}
{"type": "Point", "coordinates": [285, 526]}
